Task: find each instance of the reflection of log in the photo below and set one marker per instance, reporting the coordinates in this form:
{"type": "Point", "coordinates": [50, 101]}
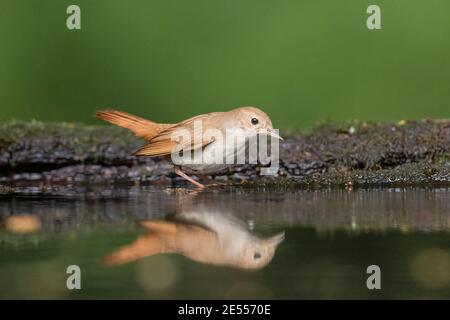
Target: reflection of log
{"type": "Point", "coordinates": [405, 210]}
{"type": "Point", "coordinates": [415, 152]}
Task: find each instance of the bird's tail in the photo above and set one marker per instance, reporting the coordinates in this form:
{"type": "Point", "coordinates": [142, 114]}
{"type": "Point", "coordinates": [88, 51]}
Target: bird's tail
{"type": "Point", "coordinates": [139, 126]}
{"type": "Point", "coordinates": [160, 240]}
{"type": "Point", "coordinates": [144, 246]}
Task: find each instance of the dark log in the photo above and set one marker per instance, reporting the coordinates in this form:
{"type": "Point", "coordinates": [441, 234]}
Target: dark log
{"type": "Point", "coordinates": [353, 155]}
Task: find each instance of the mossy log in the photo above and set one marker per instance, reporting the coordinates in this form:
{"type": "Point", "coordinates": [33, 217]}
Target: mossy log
{"type": "Point", "coordinates": [355, 154]}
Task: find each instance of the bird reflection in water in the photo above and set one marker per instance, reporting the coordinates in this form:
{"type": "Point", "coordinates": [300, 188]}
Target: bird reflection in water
{"type": "Point", "coordinates": [207, 237]}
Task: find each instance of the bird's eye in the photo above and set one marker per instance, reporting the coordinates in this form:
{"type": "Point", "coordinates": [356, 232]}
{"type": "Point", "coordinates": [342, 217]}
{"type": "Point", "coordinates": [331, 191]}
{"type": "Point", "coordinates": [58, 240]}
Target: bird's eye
{"type": "Point", "coordinates": [255, 121]}
{"type": "Point", "coordinates": [257, 255]}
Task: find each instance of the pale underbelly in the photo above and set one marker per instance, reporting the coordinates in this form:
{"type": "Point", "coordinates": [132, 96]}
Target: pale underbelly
{"type": "Point", "coordinates": [214, 160]}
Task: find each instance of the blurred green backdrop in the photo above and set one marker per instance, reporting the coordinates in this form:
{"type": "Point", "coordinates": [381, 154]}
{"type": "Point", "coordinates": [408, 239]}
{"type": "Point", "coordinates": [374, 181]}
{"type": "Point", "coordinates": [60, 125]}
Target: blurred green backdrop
{"type": "Point", "coordinates": [302, 61]}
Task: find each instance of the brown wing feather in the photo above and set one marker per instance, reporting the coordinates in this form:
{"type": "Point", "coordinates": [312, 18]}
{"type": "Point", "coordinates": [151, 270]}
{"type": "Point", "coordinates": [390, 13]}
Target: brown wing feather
{"type": "Point", "coordinates": [159, 135]}
{"type": "Point", "coordinates": [154, 149]}
{"type": "Point", "coordinates": [162, 143]}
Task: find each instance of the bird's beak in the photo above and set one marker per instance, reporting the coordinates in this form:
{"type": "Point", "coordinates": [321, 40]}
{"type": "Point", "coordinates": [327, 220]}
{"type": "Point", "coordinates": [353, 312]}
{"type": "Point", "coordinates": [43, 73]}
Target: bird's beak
{"type": "Point", "coordinates": [271, 133]}
{"type": "Point", "coordinates": [275, 240]}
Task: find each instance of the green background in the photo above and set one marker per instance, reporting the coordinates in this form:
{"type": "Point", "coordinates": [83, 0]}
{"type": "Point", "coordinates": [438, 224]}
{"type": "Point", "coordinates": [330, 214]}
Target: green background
{"type": "Point", "coordinates": [301, 61]}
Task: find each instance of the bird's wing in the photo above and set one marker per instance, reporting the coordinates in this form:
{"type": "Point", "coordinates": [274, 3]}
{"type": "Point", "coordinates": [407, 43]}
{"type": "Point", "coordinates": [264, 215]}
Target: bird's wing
{"type": "Point", "coordinates": [184, 136]}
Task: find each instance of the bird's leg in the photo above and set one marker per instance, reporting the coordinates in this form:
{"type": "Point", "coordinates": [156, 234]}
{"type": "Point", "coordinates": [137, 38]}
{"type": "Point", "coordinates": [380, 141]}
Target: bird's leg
{"type": "Point", "coordinates": [212, 182]}
{"type": "Point", "coordinates": [182, 174]}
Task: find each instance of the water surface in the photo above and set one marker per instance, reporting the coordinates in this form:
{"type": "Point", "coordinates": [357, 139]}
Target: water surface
{"type": "Point", "coordinates": [160, 244]}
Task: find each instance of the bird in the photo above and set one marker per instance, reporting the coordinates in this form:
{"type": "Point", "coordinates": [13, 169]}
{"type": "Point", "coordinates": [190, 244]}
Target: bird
{"type": "Point", "coordinates": [205, 236]}
{"type": "Point", "coordinates": [243, 122]}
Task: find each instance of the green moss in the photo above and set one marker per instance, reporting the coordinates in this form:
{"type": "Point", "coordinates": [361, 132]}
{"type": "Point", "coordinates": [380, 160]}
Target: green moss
{"type": "Point", "coordinates": [62, 143]}
{"type": "Point", "coordinates": [349, 155]}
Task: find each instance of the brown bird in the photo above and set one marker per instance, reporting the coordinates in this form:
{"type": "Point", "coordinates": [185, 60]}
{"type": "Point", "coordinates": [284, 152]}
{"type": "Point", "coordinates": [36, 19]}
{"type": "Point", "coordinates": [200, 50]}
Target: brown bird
{"type": "Point", "coordinates": [165, 139]}
{"type": "Point", "coordinates": [207, 237]}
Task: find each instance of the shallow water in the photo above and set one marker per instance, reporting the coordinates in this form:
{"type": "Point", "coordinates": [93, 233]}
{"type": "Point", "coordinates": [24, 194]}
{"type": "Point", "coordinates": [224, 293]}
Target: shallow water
{"type": "Point", "coordinates": [162, 244]}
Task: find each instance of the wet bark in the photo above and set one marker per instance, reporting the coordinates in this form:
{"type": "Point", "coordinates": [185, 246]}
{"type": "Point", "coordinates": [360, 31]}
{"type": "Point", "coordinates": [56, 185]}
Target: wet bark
{"type": "Point", "coordinates": [357, 154]}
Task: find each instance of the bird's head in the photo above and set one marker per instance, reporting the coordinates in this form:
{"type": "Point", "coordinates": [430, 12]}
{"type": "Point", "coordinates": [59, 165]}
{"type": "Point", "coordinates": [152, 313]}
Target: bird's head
{"type": "Point", "coordinates": [255, 120]}
{"type": "Point", "coordinates": [260, 252]}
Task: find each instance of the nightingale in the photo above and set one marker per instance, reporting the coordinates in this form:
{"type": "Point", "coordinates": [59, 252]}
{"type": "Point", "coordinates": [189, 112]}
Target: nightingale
{"type": "Point", "coordinates": [209, 237]}
{"type": "Point", "coordinates": [163, 139]}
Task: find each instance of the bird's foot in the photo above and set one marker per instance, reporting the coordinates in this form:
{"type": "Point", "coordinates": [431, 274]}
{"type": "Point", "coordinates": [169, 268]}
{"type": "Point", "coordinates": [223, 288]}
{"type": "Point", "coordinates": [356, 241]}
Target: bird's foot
{"type": "Point", "coordinates": [217, 184]}
{"type": "Point", "coordinates": [181, 191]}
